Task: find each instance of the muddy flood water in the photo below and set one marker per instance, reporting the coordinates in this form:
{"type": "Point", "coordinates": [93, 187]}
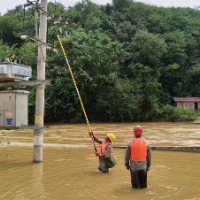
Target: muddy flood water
{"type": "Point", "coordinates": [69, 167]}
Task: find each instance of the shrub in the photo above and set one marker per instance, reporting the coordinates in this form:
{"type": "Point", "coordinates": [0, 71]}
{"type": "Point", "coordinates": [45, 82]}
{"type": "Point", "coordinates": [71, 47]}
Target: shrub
{"type": "Point", "coordinates": [170, 113]}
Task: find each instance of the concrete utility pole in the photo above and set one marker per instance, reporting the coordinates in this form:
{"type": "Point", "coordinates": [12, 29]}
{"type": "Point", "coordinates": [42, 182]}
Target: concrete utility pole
{"type": "Point", "coordinates": [39, 111]}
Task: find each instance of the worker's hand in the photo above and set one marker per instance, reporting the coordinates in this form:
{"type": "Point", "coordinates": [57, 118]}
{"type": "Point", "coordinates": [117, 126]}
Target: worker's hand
{"type": "Point", "coordinates": [97, 154]}
{"type": "Point", "coordinates": [90, 134]}
{"type": "Point", "coordinates": [128, 167]}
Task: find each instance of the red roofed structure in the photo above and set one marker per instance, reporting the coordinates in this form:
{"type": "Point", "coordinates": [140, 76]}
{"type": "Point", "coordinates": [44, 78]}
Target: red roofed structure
{"type": "Point", "coordinates": [188, 103]}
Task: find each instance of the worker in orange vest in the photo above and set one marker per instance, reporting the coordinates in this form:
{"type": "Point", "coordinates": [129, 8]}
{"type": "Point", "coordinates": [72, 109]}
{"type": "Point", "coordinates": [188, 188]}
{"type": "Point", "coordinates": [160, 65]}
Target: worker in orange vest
{"type": "Point", "coordinates": [138, 159]}
{"type": "Point", "coordinates": [106, 160]}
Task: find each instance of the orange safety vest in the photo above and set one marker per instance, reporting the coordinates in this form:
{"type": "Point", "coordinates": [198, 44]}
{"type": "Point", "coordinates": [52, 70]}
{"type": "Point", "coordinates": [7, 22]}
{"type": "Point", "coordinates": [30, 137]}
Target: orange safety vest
{"type": "Point", "coordinates": [138, 149]}
{"type": "Point", "coordinates": [103, 147]}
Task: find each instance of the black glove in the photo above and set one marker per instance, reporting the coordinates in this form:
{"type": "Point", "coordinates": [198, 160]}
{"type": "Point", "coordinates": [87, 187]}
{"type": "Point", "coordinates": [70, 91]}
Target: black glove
{"type": "Point", "coordinates": [91, 134]}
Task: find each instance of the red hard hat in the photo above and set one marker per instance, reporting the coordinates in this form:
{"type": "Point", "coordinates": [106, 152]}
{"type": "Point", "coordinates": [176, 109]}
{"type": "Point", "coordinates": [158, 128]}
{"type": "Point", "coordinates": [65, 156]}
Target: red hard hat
{"type": "Point", "coordinates": [137, 130]}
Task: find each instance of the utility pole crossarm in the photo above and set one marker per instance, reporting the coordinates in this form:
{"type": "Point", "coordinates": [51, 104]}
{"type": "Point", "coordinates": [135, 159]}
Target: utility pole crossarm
{"type": "Point", "coordinates": [24, 37]}
{"type": "Point", "coordinates": [47, 14]}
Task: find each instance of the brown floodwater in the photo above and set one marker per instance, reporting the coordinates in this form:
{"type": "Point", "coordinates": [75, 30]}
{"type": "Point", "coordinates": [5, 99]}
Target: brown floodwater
{"type": "Point", "coordinates": [69, 167]}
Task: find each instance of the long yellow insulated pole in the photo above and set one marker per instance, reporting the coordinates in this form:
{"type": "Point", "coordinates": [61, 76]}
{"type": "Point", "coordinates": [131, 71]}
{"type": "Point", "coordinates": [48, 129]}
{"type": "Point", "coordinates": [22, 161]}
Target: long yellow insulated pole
{"type": "Point", "coordinates": [79, 96]}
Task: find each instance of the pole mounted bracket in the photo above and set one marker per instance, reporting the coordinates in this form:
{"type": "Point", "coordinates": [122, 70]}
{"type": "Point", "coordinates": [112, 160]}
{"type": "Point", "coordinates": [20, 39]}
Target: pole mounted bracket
{"type": "Point", "coordinates": [25, 83]}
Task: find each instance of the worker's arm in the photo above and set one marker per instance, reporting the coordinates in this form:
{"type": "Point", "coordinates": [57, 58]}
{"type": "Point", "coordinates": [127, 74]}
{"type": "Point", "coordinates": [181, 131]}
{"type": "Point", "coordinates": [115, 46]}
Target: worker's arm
{"type": "Point", "coordinates": [127, 155]}
{"type": "Point", "coordinates": [148, 157]}
{"type": "Point", "coordinates": [95, 138]}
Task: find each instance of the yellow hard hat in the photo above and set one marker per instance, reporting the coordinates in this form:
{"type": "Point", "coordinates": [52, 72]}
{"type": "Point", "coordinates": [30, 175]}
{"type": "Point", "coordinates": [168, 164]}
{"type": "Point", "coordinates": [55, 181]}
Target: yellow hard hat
{"type": "Point", "coordinates": [13, 56]}
{"type": "Point", "coordinates": [111, 137]}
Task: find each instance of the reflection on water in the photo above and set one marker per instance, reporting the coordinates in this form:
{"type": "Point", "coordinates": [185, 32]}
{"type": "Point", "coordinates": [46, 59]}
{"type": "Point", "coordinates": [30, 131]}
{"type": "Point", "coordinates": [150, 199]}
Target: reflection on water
{"type": "Point", "coordinates": [37, 178]}
{"type": "Point", "coordinates": [69, 172]}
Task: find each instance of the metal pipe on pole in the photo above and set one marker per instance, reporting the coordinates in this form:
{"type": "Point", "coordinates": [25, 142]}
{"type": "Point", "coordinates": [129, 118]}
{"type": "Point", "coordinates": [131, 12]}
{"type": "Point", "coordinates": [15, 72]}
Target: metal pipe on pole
{"type": "Point", "coordinates": [40, 91]}
{"type": "Point", "coordinates": [36, 24]}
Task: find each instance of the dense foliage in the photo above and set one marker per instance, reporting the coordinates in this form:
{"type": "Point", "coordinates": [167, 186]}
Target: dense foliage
{"type": "Point", "coordinates": [129, 59]}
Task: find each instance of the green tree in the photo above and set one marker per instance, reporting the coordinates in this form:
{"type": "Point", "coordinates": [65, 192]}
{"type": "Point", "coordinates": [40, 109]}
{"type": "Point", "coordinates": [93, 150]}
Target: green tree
{"type": "Point", "coordinates": [119, 5]}
{"type": "Point", "coordinates": [148, 49]}
{"type": "Point", "coordinates": [149, 93]}
{"type": "Point", "coordinates": [129, 58]}
{"type": "Point", "coordinates": [6, 51]}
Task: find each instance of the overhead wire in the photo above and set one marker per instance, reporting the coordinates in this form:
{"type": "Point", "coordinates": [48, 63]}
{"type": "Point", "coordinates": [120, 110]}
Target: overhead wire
{"type": "Point", "coordinates": [23, 24]}
{"type": "Point", "coordinates": [53, 23]}
{"type": "Point", "coordinates": [23, 20]}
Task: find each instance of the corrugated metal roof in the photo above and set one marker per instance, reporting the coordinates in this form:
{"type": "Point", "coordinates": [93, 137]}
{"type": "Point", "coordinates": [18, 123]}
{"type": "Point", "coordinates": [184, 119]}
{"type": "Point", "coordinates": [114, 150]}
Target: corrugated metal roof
{"type": "Point", "coordinates": [190, 99]}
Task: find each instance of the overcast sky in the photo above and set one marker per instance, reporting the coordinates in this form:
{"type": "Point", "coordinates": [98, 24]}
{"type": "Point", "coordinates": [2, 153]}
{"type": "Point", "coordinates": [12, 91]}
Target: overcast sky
{"type": "Point", "coordinates": [10, 4]}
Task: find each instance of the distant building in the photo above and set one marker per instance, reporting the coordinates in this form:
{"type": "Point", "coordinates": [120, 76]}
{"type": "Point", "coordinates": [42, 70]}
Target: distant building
{"type": "Point", "coordinates": [188, 103]}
